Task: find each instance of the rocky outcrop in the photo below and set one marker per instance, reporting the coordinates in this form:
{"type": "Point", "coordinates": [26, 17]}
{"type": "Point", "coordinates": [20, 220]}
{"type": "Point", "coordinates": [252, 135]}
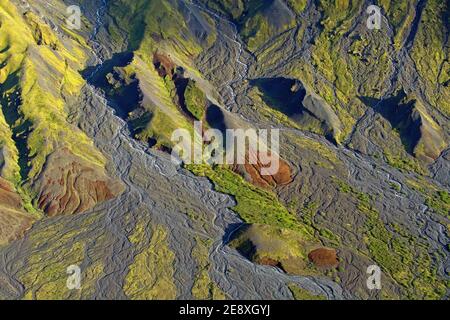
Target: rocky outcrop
{"type": "Point", "coordinates": [163, 64]}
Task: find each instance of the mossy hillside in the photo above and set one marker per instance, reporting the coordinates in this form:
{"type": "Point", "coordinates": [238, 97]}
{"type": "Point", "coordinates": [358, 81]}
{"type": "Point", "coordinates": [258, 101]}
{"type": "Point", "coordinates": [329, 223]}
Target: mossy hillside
{"type": "Point", "coordinates": [430, 55]}
{"type": "Point", "coordinates": [163, 116]}
{"type": "Point", "coordinates": [418, 132]}
{"type": "Point", "coordinates": [347, 109]}
{"type": "Point", "coordinates": [233, 8]}
{"type": "Point", "coordinates": [159, 26]}
{"type": "Point", "coordinates": [41, 32]}
{"type": "Point", "coordinates": [345, 66]}
{"type": "Point", "coordinates": [287, 249]}
{"type": "Point", "coordinates": [254, 18]}
{"type": "Point", "coordinates": [430, 142]}
{"type": "Point", "coordinates": [400, 254]}
{"type": "Point", "coordinates": [155, 24]}
{"type": "Point", "coordinates": [284, 243]}
{"type": "Point", "coordinates": [135, 27]}
{"type": "Point", "coordinates": [269, 113]}
{"type": "Point", "coordinates": [32, 70]}
{"type": "Point", "coordinates": [397, 157]}
{"type": "Point", "coordinates": [404, 162]}
{"type": "Point", "coordinates": [336, 14]}
{"type": "Point", "coordinates": [329, 73]}
{"type": "Point", "coordinates": [256, 31]}
{"type": "Point", "coordinates": [195, 100]}
{"type": "Point", "coordinates": [439, 201]}
{"type": "Point", "coordinates": [436, 198]}
{"type": "Point", "coordinates": [260, 105]}
{"type": "Point", "coordinates": [9, 168]}
{"type": "Point", "coordinates": [329, 62]}
{"type": "Point", "coordinates": [273, 52]}
{"type": "Point", "coordinates": [254, 205]}
{"type": "Point", "coordinates": [14, 40]}
{"type": "Point", "coordinates": [369, 59]}
{"type": "Point", "coordinates": [257, 26]}
{"type": "Point", "coordinates": [50, 128]}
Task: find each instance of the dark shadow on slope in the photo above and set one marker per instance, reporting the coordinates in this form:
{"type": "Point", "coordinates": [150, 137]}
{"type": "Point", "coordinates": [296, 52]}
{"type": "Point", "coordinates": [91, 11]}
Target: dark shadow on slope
{"type": "Point", "coordinates": [246, 246]}
{"type": "Point", "coordinates": [290, 97]}
{"type": "Point", "coordinates": [283, 94]}
{"type": "Point", "coordinates": [121, 90]}
{"type": "Point", "coordinates": [20, 128]}
{"type": "Point", "coordinates": [231, 231]}
{"type": "Point", "coordinates": [401, 116]}
{"type": "Point", "coordinates": [251, 7]}
{"type": "Point", "coordinates": [181, 84]}
{"type": "Point", "coordinates": [215, 118]}
{"type": "Point", "coordinates": [5, 49]}
{"type": "Point", "coordinates": [96, 75]}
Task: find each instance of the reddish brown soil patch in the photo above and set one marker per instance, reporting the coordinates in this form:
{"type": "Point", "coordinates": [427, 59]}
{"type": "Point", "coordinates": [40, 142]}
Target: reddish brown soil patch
{"type": "Point", "coordinates": [13, 225]}
{"type": "Point", "coordinates": [14, 221]}
{"type": "Point", "coordinates": [252, 172]}
{"type": "Point", "coordinates": [5, 186]}
{"type": "Point", "coordinates": [163, 64]}
{"type": "Point", "coordinates": [165, 67]}
{"type": "Point", "coordinates": [8, 197]}
{"type": "Point", "coordinates": [284, 175]}
{"type": "Point", "coordinates": [324, 258]}
{"type": "Point", "coordinates": [270, 262]}
{"type": "Point", "coordinates": [70, 185]}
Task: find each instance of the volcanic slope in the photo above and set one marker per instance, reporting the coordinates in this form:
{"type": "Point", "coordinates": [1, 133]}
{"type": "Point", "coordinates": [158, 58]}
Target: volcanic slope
{"type": "Point", "coordinates": [364, 138]}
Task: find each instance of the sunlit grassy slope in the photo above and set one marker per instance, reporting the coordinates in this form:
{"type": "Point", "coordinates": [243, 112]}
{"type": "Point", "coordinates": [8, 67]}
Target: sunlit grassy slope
{"type": "Point", "coordinates": [38, 73]}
